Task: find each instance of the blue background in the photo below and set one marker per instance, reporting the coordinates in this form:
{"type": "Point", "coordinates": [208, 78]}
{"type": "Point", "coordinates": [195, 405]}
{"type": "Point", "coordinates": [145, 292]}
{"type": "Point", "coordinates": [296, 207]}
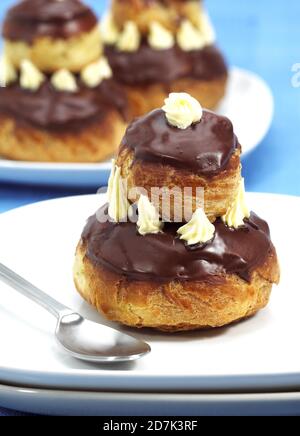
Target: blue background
{"type": "Point", "coordinates": [259, 35]}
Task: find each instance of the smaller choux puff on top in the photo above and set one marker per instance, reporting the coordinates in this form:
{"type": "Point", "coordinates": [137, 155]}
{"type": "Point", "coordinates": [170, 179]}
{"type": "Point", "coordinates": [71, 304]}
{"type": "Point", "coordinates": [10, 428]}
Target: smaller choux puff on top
{"type": "Point", "coordinates": [183, 146]}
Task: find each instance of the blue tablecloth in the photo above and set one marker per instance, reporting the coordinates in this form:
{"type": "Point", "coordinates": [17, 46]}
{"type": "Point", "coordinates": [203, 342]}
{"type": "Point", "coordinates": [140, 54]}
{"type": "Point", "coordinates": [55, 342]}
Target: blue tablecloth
{"type": "Point", "coordinates": [262, 36]}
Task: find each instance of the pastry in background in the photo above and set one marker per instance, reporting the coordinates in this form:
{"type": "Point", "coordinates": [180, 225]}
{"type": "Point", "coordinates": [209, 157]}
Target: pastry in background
{"type": "Point", "coordinates": [58, 99]}
{"type": "Point", "coordinates": [52, 34]}
{"type": "Point", "coordinates": [144, 271]}
{"type": "Point", "coordinates": [159, 47]}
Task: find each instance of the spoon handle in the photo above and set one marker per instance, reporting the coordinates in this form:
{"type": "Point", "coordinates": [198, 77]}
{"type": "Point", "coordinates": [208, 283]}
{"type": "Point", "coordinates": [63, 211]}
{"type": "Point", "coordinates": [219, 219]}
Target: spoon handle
{"type": "Point", "coordinates": [30, 291]}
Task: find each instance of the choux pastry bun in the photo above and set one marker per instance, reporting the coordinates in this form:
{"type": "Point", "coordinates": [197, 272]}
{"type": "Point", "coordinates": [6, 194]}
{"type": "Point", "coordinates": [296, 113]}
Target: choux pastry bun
{"type": "Point", "coordinates": [206, 156]}
{"type": "Point", "coordinates": [52, 34]}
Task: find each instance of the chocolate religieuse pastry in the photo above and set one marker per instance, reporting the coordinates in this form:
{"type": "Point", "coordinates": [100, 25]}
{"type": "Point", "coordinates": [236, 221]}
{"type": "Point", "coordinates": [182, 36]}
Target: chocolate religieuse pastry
{"type": "Point", "coordinates": [58, 99]}
{"type": "Point", "coordinates": [157, 47]}
{"type": "Point", "coordinates": [142, 269]}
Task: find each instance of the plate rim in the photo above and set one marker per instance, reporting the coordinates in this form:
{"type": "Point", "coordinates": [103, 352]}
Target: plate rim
{"type": "Point", "coordinates": [27, 399]}
{"type": "Point", "coordinates": [269, 94]}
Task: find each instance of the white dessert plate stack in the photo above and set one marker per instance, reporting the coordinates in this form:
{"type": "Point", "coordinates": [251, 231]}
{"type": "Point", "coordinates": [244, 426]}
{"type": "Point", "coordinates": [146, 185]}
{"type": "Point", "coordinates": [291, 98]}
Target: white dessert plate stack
{"type": "Point", "coordinates": [252, 367]}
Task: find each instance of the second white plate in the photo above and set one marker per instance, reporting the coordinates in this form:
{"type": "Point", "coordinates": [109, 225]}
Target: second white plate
{"type": "Point", "coordinates": [93, 403]}
{"type": "Point", "coordinates": [261, 354]}
{"type": "Point", "coordinates": [251, 122]}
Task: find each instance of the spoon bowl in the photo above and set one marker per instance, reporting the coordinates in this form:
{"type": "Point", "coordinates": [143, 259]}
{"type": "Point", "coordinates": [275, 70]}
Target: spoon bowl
{"type": "Point", "coordinates": [94, 342]}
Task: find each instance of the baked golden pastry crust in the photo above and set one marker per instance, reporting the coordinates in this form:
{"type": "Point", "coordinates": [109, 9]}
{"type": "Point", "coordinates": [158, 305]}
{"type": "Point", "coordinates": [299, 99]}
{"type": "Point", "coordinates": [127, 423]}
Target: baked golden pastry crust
{"type": "Point", "coordinates": [219, 191]}
{"type": "Point", "coordinates": [168, 13]}
{"type": "Point", "coordinates": [145, 98]}
{"type": "Point", "coordinates": [51, 54]}
{"type": "Point", "coordinates": [176, 305]}
{"type": "Point", "coordinates": [94, 143]}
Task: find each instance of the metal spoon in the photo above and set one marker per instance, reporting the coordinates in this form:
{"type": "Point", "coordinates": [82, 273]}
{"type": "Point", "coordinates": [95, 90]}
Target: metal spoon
{"type": "Point", "coordinates": [83, 339]}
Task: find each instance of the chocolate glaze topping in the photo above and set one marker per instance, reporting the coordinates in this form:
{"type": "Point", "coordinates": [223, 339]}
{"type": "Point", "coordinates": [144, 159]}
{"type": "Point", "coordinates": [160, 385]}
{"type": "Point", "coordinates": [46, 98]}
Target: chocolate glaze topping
{"type": "Point", "coordinates": [164, 257]}
{"type": "Point", "coordinates": [146, 65]}
{"type": "Point", "coordinates": [50, 109]}
{"type": "Point", "coordinates": [205, 147]}
{"type": "Point", "coordinates": [30, 19]}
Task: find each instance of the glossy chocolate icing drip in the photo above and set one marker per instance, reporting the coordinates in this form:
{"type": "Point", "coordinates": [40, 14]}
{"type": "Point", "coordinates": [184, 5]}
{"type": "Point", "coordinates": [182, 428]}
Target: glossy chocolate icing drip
{"type": "Point", "coordinates": [207, 64]}
{"type": "Point", "coordinates": [205, 147]}
{"type": "Point", "coordinates": [147, 66]}
{"type": "Point", "coordinates": [31, 19]}
{"type": "Point", "coordinates": [50, 109]}
{"type": "Point", "coordinates": [164, 257]}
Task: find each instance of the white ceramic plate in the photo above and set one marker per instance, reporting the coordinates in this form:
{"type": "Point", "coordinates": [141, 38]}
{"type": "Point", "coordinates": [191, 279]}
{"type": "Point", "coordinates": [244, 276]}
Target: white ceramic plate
{"type": "Point", "coordinates": [251, 120]}
{"type": "Point", "coordinates": [262, 353]}
{"type": "Point", "coordinates": [249, 105]}
{"type": "Point", "coordinates": [64, 402]}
